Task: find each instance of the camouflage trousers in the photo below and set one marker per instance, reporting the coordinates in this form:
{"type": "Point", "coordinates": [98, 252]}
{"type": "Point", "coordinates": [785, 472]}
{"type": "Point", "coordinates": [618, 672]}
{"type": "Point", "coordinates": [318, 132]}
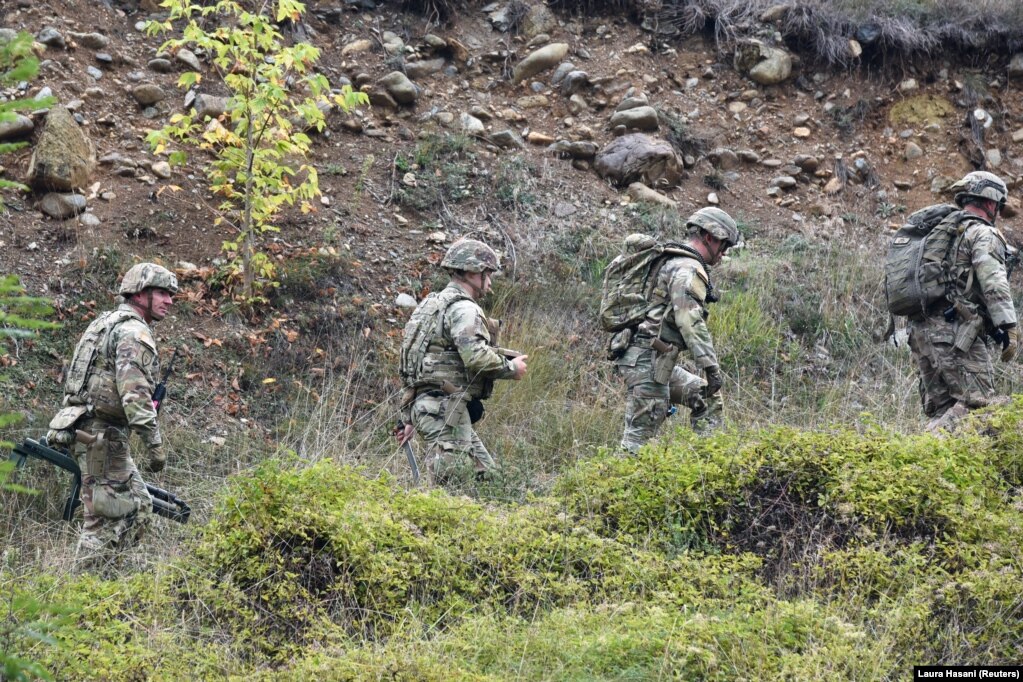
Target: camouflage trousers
{"type": "Point", "coordinates": [454, 453]}
{"type": "Point", "coordinates": [117, 506]}
{"type": "Point", "coordinates": [947, 375]}
{"type": "Point", "coordinates": [654, 383]}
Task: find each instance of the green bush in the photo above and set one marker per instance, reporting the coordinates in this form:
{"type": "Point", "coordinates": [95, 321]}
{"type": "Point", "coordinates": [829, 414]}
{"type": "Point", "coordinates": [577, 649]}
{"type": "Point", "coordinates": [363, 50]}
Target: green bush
{"type": "Point", "coordinates": [782, 554]}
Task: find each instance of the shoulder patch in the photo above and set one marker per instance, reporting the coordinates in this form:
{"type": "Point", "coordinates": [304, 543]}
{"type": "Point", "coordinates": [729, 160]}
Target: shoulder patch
{"type": "Point", "coordinates": [139, 331]}
{"type": "Point", "coordinates": [698, 286]}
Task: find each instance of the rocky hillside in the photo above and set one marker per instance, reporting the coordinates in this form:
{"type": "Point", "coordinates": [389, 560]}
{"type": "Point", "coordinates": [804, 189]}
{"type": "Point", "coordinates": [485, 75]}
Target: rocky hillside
{"type": "Point", "coordinates": [548, 133]}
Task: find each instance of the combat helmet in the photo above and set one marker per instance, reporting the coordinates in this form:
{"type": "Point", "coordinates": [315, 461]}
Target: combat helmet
{"type": "Point", "coordinates": [471, 255]}
{"type": "Point", "coordinates": [716, 222]}
{"type": "Point", "coordinates": [981, 185]}
{"type": "Point", "coordinates": [146, 275]}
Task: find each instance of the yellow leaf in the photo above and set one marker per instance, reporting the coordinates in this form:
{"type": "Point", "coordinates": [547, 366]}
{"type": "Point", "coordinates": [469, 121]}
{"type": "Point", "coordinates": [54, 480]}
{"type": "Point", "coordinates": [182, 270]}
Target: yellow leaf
{"type": "Point", "coordinates": [269, 380]}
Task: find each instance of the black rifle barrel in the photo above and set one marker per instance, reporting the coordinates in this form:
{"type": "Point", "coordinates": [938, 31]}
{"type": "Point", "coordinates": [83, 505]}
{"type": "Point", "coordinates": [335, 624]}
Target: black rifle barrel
{"type": "Point", "coordinates": [165, 504]}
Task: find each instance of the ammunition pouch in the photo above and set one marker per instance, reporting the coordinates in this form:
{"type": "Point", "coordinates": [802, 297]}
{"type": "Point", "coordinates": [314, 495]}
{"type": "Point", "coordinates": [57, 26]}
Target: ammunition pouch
{"type": "Point", "coordinates": [970, 325]}
{"type": "Point", "coordinates": [476, 410]}
{"type": "Point", "coordinates": [114, 499]}
{"type": "Point", "coordinates": [619, 343]}
{"type": "Point", "coordinates": [62, 426]}
{"type": "Point", "coordinates": [966, 334]}
{"type": "Point", "coordinates": [486, 389]}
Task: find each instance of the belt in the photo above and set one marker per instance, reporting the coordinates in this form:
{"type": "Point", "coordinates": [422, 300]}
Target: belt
{"type": "Point", "coordinates": [652, 342]}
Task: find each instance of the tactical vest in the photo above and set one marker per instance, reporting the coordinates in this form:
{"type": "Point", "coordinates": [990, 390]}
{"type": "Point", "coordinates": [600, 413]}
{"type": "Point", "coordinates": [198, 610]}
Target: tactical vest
{"type": "Point", "coordinates": [91, 378]}
{"type": "Point", "coordinates": [428, 358]}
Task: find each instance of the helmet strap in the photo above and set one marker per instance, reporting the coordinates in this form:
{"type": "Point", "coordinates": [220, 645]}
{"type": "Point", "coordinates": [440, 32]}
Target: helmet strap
{"type": "Point", "coordinates": [145, 309]}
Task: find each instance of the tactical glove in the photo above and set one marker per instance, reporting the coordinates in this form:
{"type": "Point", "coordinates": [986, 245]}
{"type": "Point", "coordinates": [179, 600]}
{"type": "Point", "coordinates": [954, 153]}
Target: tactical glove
{"type": "Point", "coordinates": [1010, 343]}
{"type": "Point", "coordinates": [157, 460]}
{"type": "Point", "coordinates": [714, 381]}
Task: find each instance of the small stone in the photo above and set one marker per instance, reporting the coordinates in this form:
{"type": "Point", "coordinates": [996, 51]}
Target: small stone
{"type": "Point", "coordinates": [91, 41]}
{"type": "Point", "coordinates": [903, 184]}
{"type": "Point", "coordinates": [994, 157]}
{"type": "Point", "coordinates": [356, 47]}
{"type": "Point", "coordinates": [19, 127]}
{"type": "Point", "coordinates": [148, 94]}
{"type": "Point", "coordinates": [912, 152]}
{"type": "Point", "coordinates": [834, 186]}
{"type": "Point", "coordinates": [161, 169]}
{"type": "Point", "coordinates": [801, 132]}
{"type": "Point", "coordinates": [784, 182]}
{"type": "Point", "coordinates": [909, 85]}
{"type": "Point", "coordinates": [51, 37]}
{"type": "Point", "coordinates": [405, 301]}
{"type": "Point", "coordinates": [712, 199]}
{"type": "Point", "coordinates": [563, 209]}
{"type": "Point", "coordinates": [539, 139]}
{"type": "Point", "coordinates": [532, 102]}
{"type": "Point", "coordinates": [188, 58]}
{"type": "Point", "coordinates": [749, 156]}
{"type": "Point", "coordinates": [471, 125]}
{"type": "Point", "coordinates": [806, 163]}
{"type": "Point", "coordinates": [737, 107]}
{"type": "Point", "coordinates": [210, 105]}
{"type": "Point", "coordinates": [62, 205]}
{"type": "Point", "coordinates": [772, 163]}
{"type": "Point", "coordinates": [507, 139]}
{"type": "Point", "coordinates": [94, 72]}
{"type": "Point", "coordinates": [160, 65]}
{"type": "Point", "coordinates": [1018, 136]}
{"type": "Point", "coordinates": [89, 220]}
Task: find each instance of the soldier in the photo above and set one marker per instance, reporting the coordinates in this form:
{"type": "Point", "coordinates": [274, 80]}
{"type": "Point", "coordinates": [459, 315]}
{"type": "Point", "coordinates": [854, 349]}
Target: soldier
{"type": "Point", "coordinates": [449, 364]}
{"type": "Point", "coordinates": [676, 321]}
{"type": "Point", "coordinates": [951, 344]}
{"type": "Point", "coordinates": [108, 393]}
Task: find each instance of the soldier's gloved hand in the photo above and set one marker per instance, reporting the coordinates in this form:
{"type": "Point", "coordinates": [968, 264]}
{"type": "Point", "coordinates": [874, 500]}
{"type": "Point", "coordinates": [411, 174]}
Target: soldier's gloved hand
{"type": "Point", "coordinates": [714, 381]}
{"type": "Point", "coordinates": [1011, 343]}
{"type": "Point", "coordinates": [157, 460]}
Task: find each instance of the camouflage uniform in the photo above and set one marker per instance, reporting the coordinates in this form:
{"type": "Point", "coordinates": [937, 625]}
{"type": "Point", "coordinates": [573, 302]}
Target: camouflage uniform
{"type": "Point", "coordinates": [457, 354]}
{"type": "Point", "coordinates": [108, 393]}
{"type": "Point", "coordinates": [950, 375]}
{"type": "Point", "coordinates": [650, 376]}
{"type": "Point", "coordinates": [953, 357]}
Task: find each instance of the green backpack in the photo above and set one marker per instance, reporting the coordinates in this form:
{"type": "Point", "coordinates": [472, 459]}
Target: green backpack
{"type": "Point", "coordinates": [627, 293]}
{"type": "Point", "coordinates": [918, 264]}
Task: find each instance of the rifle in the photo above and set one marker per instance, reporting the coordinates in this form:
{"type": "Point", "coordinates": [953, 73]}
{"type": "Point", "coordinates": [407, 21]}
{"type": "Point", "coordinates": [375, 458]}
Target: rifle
{"type": "Point", "coordinates": [165, 504]}
{"type": "Point", "coordinates": [161, 388]}
{"type": "Point", "coordinates": [411, 456]}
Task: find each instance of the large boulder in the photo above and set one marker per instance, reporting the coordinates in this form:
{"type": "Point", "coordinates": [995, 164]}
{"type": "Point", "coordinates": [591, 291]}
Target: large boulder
{"type": "Point", "coordinates": [547, 57]}
{"type": "Point", "coordinates": [63, 159]}
{"type": "Point", "coordinates": [639, 158]}
{"type": "Point", "coordinates": [762, 63]}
